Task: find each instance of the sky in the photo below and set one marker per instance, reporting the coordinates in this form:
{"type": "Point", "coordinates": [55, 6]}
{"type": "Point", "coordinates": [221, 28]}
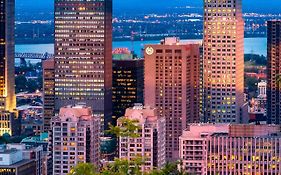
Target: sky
{"type": "Point", "coordinates": [150, 5]}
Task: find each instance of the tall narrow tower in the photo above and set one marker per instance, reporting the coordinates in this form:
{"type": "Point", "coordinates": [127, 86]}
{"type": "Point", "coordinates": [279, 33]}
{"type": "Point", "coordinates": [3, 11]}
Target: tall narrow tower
{"type": "Point", "coordinates": [223, 60]}
{"type": "Point", "coordinates": [274, 70]}
{"type": "Point", "coordinates": [7, 70]}
{"type": "Point", "coordinates": [83, 58]}
{"type": "Point", "coordinates": [7, 49]}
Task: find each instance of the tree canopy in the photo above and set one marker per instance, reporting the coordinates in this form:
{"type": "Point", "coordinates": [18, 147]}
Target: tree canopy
{"type": "Point", "coordinates": [125, 167]}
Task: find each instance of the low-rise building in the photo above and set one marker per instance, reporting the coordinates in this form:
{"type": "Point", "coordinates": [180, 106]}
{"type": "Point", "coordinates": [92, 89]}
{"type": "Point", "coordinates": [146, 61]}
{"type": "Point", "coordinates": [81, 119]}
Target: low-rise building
{"type": "Point", "coordinates": [231, 149]}
{"type": "Point", "coordinates": [20, 159]}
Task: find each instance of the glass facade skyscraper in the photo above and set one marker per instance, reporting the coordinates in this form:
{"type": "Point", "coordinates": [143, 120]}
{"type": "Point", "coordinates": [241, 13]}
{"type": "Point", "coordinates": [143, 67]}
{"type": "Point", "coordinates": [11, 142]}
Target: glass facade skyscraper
{"type": "Point", "coordinates": [83, 55]}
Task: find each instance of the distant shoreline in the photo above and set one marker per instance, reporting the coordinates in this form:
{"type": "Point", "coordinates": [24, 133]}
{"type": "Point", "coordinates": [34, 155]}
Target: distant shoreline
{"type": "Point", "coordinates": [26, 41]}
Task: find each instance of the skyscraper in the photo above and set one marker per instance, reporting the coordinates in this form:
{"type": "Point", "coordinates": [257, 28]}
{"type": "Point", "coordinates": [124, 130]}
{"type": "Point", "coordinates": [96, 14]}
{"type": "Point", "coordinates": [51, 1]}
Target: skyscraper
{"type": "Point", "coordinates": [49, 92]}
{"type": "Point", "coordinates": [223, 60]}
{"type": "Point", "coordinates": [128, 81]}
{"type": "Point", "coordinates": [74, 138]}
{"type": "Point", "coordinates": [7, 70]}
{"type": "Point", "coordinates": [150, 145]}
{"type": "Point", "coordinates": [172, 75]}
{"type": "Point", "coordinates": [83, 55]}
{"type": "Point", "coordinates": [273, 71]}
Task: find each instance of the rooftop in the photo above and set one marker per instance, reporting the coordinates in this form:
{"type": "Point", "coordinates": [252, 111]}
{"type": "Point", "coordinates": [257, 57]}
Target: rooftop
{"type": "Point", "coordinates": [231, 130]}
{"type": "Point", "coordinates": [142, 113]}
{"type": "Point", "coordinates": [75, 112]}
{"type": "Point", "coordinates": [18, 164]}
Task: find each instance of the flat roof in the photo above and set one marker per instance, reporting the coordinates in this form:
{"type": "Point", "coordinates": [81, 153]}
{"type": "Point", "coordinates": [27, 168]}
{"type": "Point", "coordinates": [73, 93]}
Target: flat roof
{"type": "Point", "coordinates": [18, 164]}
{"type": "Point", "coordinates": [8, 151]}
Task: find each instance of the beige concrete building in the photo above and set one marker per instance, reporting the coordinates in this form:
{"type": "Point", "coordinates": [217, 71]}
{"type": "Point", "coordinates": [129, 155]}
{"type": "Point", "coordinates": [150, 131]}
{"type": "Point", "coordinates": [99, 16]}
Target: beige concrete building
{"type": "Point", "coordinates": [172, 85]}
{"type": "Point", "coordinates": [74, 138]}
{"type": "Point", "coordinates": [223, 61]}
{"type": "Point", "coordinates": [231, 149]}
{"type": "Point", "coordinates": [83, 55]}
{"type": "Point", "coordinates": [151, 143]}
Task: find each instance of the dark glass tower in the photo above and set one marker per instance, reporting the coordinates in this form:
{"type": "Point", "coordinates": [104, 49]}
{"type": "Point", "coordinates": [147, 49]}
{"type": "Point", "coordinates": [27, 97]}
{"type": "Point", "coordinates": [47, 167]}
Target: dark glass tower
{"type": "Point", "coordinates": [128, 83]}
{"type": "Point", "coordinates": [274, 70]}
{"type": "Point", "coordinates": [83, 55]}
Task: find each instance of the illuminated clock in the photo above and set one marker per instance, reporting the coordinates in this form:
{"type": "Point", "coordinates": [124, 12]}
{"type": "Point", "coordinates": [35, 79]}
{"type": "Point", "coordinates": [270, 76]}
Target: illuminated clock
{"type": "Point", "coordinates": [149, 50]}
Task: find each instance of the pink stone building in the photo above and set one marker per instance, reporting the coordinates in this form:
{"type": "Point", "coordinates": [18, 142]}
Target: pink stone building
{"type": "Point", "coordinates": [151, 143]}
{"type": "Point", "coordinates": [74, 138]}
{"type": "Point", "coordinates": [231, 149]}
{"type": "Point", "coordinates": [172, 85]}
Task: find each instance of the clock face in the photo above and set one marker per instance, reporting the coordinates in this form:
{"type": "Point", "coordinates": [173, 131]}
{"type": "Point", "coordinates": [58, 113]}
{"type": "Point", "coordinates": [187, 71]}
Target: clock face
{"type": "Point", "coordinates": [149, 50]}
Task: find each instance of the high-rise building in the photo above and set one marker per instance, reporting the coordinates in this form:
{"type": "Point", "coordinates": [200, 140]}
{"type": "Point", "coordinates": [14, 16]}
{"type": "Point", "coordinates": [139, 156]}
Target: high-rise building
{"type": "Point", "coordinates": [274, 69]}
{"type": "Point", "coordinates": [7, 63]}
{"type": "Point", "coordinates": [150, 145]}
{"type": "Point", "coordinates": [74, 138]}
{"type": "Point", "coordinates": [128, 81]}
{"type": "Point", "coordinates": [48, 92]}
{"type": "Point", "coordinates": [7, 49]}
{"type": "Point", "coordinates": [172, 85]}
{"type": "Point", "coordinates": [223, 61]}
{"type": "Point", "coordinates": [83, 55]}
{"type": "Point", "coordinates": [231, 149]}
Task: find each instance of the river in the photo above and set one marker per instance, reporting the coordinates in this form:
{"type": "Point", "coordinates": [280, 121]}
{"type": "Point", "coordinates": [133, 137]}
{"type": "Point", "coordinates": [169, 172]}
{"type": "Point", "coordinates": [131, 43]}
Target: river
{"type": "Point", "coordinates": [252, 45]}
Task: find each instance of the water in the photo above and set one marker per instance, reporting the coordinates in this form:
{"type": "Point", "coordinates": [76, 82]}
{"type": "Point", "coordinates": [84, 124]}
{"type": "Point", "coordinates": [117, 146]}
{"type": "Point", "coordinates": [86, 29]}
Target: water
{"type": "Point", "coordinates": [252, 45]}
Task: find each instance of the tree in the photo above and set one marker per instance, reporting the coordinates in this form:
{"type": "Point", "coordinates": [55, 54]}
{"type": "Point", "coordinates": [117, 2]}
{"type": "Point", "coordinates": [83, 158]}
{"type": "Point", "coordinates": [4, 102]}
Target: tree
{"type": "Point", "coordinates": [84, 169]}
{"type": "Point", "coordinates": [20, 83]}
{"type": "Point", "coordinates": [278, 78]}
{"type": "Point", "coordinates": [31, 86]}
{"type": "Point", "coordinates": [124, 167]}
{"type": "Point", "coordinates": [126, 128]}
{"type": "Point", "coordinates": [118, 167]}
{"type": "Point", "coordinates": [251, 83]}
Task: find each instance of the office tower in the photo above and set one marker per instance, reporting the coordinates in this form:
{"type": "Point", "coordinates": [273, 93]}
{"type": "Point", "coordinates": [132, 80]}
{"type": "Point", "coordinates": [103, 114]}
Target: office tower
{"type": "Point", "coordinates": [273, 71]}
{"type": "Point", "coordinates": [150, 145]}
{"type": "Point", "coordinates": [172, 75]}
{"type": "Point", "coordinates": [223, 61]}
{"type": "Point", "coordinates": [83, 55]}
{"type": "Point", "coordinates": [74, 138]}
{"type": "Point", "coordinates": [7, 63]}
{"type": "Point", "coordinates": [231, 149]}
{"type": "Point", "coordinates": [48, 92]}
{"type": "Point", "coordinates": [128, 81]}
{"type": "Point", "coordinates": [7, 47]}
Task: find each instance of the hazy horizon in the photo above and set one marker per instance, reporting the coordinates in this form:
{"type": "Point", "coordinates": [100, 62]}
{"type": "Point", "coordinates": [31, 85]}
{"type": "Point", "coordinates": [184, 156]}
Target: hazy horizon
{"type": "Point", "coordinates": [263, 6]}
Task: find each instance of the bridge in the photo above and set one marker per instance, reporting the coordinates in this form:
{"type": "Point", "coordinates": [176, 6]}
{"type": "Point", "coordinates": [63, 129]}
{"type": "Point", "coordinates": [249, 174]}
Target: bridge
{"type": "Point", "coordinates": [32, 56]}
